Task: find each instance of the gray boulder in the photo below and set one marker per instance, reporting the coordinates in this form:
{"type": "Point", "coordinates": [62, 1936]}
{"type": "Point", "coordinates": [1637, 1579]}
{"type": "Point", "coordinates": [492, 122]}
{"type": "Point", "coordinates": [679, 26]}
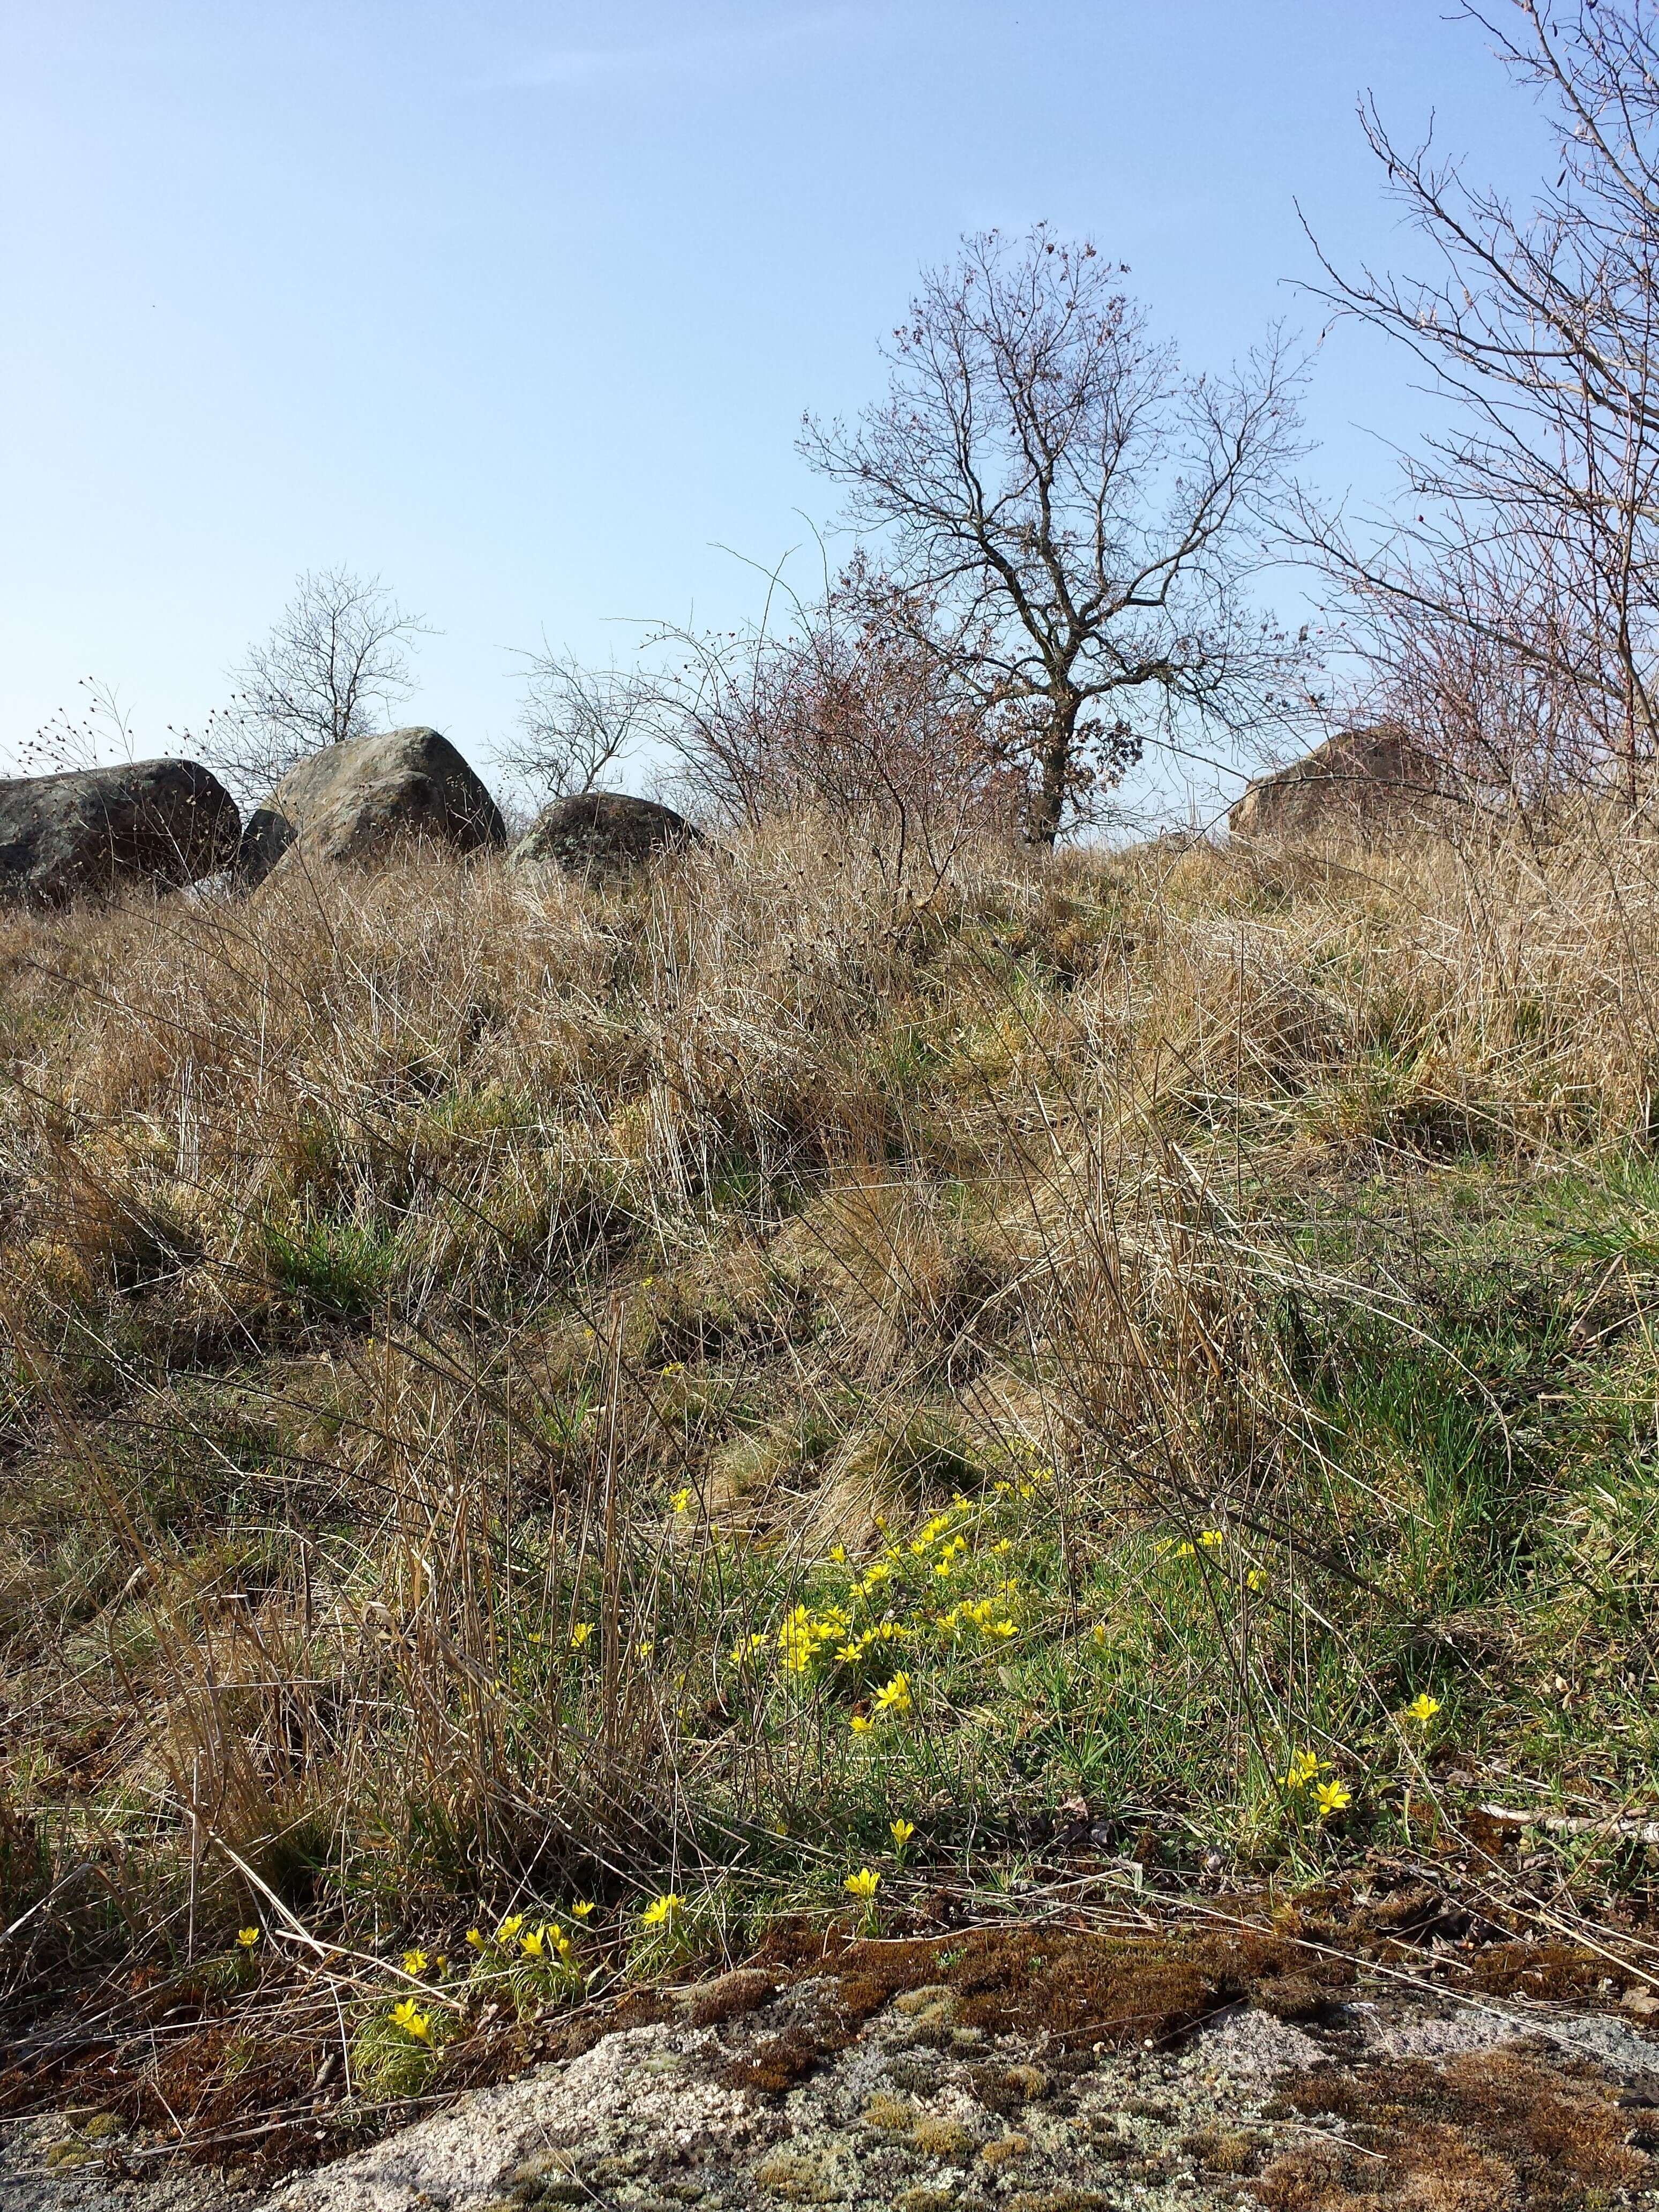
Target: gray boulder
{"type": "Point", "coordinates": [90, 832]}
{"type": "Point", "coordinates": [354, 802]}
{"type": "Point", "coordinates": [599, 830]}
{"type": "Point", "coordinates": [1359, 784]}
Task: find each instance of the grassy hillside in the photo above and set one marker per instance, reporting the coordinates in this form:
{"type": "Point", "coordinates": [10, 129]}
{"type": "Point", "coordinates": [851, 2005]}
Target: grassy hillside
{"type": "Point", "coordinates": [519, 1396]}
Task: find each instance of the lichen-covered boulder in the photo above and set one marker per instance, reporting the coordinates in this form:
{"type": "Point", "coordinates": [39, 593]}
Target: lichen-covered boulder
{"type": "Point", "coordinates": [1359, 784]}
{"type": "Point", "coordinates": [599, 830]}
{"type": "Point", "coordinates": [354, 803]}
{"type": "Point", "coordinates": [90, 832]}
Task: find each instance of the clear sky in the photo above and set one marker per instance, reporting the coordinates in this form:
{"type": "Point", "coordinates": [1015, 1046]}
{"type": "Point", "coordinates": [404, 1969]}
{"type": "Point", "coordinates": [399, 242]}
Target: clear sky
{"type": "Point", "coordinates": [516, 303]}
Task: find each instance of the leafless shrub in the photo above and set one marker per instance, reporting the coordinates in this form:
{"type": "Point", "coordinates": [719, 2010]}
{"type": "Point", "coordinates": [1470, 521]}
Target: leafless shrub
{"type": "Point", "coordinates": [840, 710]}
{"type": "Point", "coordinates": [1514, 601]}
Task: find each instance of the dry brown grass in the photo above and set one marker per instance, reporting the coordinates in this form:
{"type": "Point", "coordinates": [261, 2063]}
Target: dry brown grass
{"type": "Point", "coordinates": [380, 1257]}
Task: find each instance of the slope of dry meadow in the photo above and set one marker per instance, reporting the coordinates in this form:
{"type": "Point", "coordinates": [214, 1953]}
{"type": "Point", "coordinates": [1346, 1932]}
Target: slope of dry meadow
{"type": "Point", "coordinates": [551, 1428]}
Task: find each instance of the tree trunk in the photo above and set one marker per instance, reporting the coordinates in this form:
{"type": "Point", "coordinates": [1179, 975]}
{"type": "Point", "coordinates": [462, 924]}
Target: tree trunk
{"type": "Point", "coordinates": [1056, 763]}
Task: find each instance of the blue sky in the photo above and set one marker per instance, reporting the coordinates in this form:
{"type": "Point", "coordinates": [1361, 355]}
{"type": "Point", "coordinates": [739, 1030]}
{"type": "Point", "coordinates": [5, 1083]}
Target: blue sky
{"type": "Point", "coordinates": [518, 305]}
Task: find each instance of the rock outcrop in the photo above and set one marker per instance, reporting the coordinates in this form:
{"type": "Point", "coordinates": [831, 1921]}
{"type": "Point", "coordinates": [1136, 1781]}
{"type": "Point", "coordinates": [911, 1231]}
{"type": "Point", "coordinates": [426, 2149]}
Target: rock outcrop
{"type": "Point", "coordinates": [1358, 784]}
{"type": "Point", "coordinates": [355, 802]}
{"type": "Point", "coordinates": [1318, 2088]}
{"type": "Point", "coordinates": [90, 832]}
{"type": "Point", "coordinates": [919, 2114]}
{"type": "Point", "coordinates": [599, 830]}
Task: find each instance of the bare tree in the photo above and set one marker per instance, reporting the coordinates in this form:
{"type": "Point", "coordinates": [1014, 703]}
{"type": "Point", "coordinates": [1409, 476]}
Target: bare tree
{"type": "Point", "coordinates": [1528, 542]}
{"type": "Point", "coordinates": [1073, 516]}
{"type": "Point", "coordinates": [575, 722]}
{"type": "Point", "coordinates": [333, 666]}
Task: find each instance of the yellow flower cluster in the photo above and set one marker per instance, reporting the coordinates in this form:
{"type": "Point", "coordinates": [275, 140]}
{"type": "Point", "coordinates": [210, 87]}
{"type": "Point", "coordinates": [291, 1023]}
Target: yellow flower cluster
{"type": "Point", "coordinates": [547, 1941]}
{"type": "Point", "coordinates": [1209, 1540]}
{"type": "Point", "coordinates": [415, 2023]}
{"type": "Point", "coordinates": [891, 1699]}
{"type": "Point", "coordinates": [662, 1911]}
{"type": "Point", "coordinates": [986, 1614]}
{"type": "Point", "coordinates": [1303, 1772]}
{"type": "Point", "coordinates": [894, 1697]}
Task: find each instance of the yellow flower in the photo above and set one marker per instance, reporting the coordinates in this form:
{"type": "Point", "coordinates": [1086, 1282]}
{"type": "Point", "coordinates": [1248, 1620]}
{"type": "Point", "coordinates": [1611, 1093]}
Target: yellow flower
{"type": "Point", "coordinates": [247, 1938]}
{"type": "Point", "coordinates": [413, 2021]}
{"type": "Point", "coordinates": [1422, 1709]}
{"type": "Point", "coordinates": [674, 1367]}
{"type": "Point", "coordinates": [1331, 1797]}
{"type": "Point", "coordinates": [838, 1553]}
{"type": "Point", "coordinates": [1003, 1544]}
{"type": "Point", "coordinates": [1100, 1633]}
{"type": "Point", "coordinates": [1211, 1539]}
{"type": "Point", "coordinates": [1257, 1579]}
{"type": "Point", "coordinates": [661, 1910]}
{"type": "Point", "coordinates": [583, 1909]}
{"type": "Point", "coordinates": [863, 1883]}
{"type": "Point", "coordinates": [1001, 1628]}
{"type": "Point", "coordinates": [475, 1937]}
{"type": "Point", "coordinates": [647, 1283]}
{"type": "Point", "coordinates": [643, 1650]}
{"type": "Point", "coordinates": [1303, 1768]}
{"type": "Point", "coordinates": [1185, 1551]}
{"type": "Point", "coordinates": [416, 1962]}
{"type": "Point", "coordinates": [580, 1634]}
{"type": "Point", "coordinates": [681, 1501]}
{"type": "Point", "coordinates": [894, 1697]}
{"type": "Point", "coordinates": [901, 1831]}
{"type": "Point", "coordinates": [509, 1928]}
{"type": "Point", "coordinates": [533, 1945]}
{"type": "Point", "coordinates": [858, 1724]}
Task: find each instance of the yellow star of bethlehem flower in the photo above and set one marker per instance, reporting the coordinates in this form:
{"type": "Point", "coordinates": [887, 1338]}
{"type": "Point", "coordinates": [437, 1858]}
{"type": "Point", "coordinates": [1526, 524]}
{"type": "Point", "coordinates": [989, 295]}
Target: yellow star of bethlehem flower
{"type": "Point", "coordinates": [863, 1883]}
{"type": "Point", "coordinates": [661, 1910]}
{"type": "Point", "coordinates": [901, 1831]}
{"type": "Point", "coordinates": [681, 1501]}
{"type": "Point", "coordinates": [894, 1697]}
{"type": "Point", "coordinates": [1422, 1709]}
{"type": "Point", "coordinates": [415, 1962]}
{"type": "Point", "coordinates": [414, 2022]}
{"type": "Point", "coordinates": [247, 1938]}
{"type": "Point", "coordinates": [1331, 1797]}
